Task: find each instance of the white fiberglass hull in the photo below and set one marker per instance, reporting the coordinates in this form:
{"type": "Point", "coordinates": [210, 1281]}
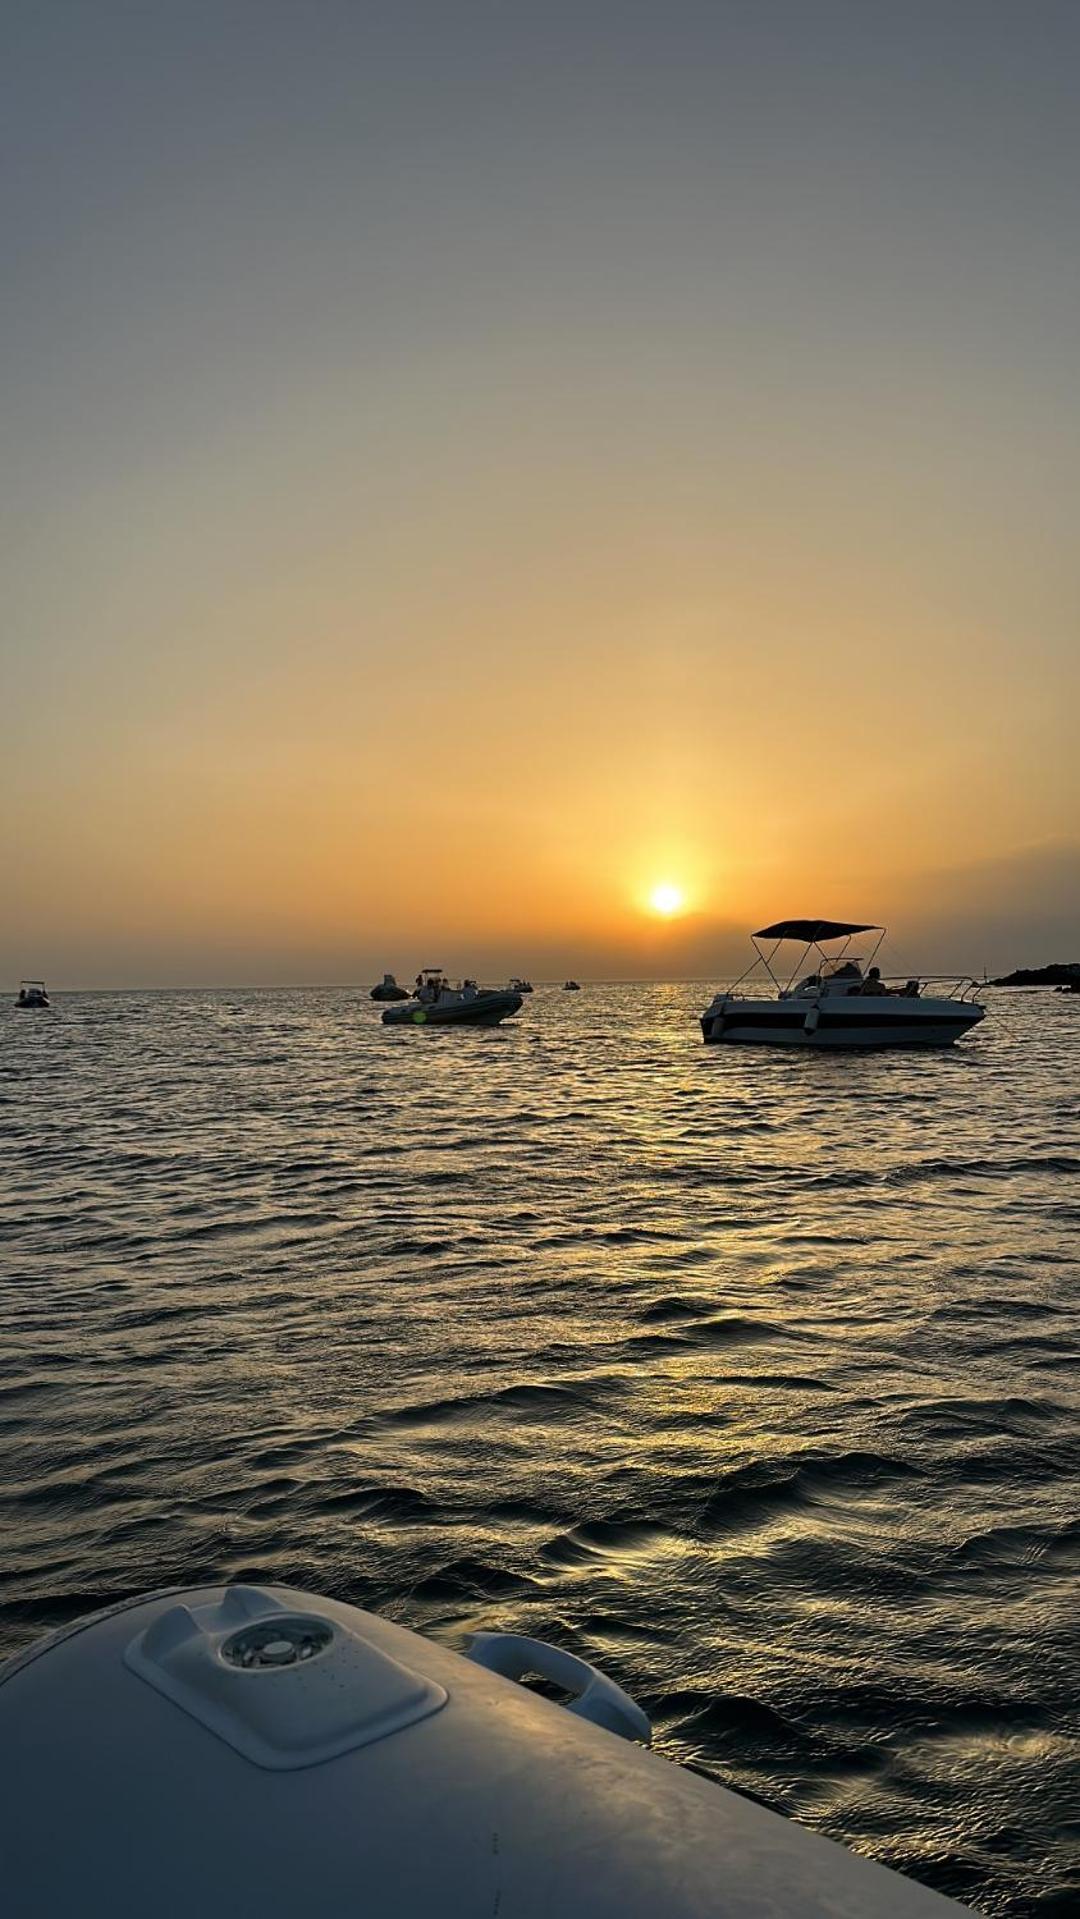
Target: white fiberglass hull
{"type": "Point", "coordinates": [835, 1021]}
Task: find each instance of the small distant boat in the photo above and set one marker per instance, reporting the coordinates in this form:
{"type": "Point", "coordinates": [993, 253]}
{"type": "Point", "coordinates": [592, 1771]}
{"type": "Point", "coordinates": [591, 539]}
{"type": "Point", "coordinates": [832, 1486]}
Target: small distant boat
{"type": "Point", "coordinates": [32, 995]}
{"type": "Point", "coordinates": [571, 986]}
{"type": "Point", "coordinates": [837, 1003]}
{"type": "Point", "coordinates": [521, 986]}
{"type": "Point", "coordinates": [388, 988]}
{"type": "Point", "coordinates": [436, 1003]}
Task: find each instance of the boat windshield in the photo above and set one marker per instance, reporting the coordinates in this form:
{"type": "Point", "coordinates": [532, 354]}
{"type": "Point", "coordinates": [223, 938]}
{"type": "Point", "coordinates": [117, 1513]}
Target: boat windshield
{"type": "Point", "coordinates": [810, 984]}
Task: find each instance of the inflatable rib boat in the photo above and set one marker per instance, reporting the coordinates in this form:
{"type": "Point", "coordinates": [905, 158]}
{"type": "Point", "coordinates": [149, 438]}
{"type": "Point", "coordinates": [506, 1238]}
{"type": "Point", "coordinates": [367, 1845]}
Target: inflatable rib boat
{"type": "Point", "coordinates": [437, 1003]}
{"type": "Point", "coordinates": [262, 1754]}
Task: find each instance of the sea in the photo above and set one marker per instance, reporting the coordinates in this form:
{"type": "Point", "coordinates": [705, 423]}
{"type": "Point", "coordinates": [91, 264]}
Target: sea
{"type": "Point", "coordinates": [751, 1376]}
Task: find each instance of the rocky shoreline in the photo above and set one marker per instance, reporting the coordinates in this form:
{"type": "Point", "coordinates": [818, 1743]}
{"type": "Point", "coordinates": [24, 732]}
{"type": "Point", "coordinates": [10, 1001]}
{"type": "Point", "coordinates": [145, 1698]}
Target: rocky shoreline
{"type": "Point", "coordinates": [1065, 974]}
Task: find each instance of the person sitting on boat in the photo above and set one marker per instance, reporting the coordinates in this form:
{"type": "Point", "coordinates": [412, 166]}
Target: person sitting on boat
{"type": "Point", "coordinates": [873, 983]}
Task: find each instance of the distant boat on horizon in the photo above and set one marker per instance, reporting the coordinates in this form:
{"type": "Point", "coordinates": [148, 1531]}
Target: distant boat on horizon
{"type": "Point", "coordinates": [571, 986]}
{"type": "Point", "coordinates": [32, 996]}
{"type": "Point", "coordinates": [388, 988]}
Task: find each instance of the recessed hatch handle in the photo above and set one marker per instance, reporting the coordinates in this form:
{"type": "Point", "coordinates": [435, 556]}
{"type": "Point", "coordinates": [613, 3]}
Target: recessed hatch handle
{"type": "Point", "coordinates": [596, 1697]}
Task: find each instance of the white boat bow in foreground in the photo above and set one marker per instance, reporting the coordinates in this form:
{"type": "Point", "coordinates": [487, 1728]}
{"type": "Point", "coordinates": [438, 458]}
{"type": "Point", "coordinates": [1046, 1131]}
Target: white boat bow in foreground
{"type": "Point", "coordinates": [263, 1754]}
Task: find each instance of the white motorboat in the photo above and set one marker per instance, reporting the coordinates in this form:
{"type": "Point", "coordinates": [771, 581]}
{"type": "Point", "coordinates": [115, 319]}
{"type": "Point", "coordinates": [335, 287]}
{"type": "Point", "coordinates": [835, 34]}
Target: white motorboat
{"type": "Point", "coordinates": [32, 995]}
{"type": "Point", "coordinates": [842, 1001]}
{"type": "Point", "coordinates": [436, 1003]}
{"type": "Point", "coordinates": [388, 988]}
{"type": "Point", "coordinates": [243, 1750]}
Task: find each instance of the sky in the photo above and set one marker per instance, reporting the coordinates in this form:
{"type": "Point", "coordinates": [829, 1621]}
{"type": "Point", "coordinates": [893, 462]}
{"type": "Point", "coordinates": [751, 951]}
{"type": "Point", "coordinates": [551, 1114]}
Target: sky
{"type": "Point", "coordinates": [468, 465]}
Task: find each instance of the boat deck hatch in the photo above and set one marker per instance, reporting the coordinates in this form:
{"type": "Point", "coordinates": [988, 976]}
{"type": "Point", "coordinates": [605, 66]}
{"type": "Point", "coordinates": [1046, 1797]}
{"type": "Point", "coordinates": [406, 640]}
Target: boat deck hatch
{"type": "Point", "coordinates": [285, 1689]}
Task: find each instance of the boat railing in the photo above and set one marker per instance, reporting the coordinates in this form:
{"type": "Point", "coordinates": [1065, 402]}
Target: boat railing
{"type": "Point", "coordinates": [960, 986]}
{"type": "Point", "coordinates": [957, 984]}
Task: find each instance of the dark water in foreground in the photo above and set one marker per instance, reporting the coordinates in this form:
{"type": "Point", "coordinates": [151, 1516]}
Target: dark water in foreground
{"type": "Point", "coordinates": [750, 1376]}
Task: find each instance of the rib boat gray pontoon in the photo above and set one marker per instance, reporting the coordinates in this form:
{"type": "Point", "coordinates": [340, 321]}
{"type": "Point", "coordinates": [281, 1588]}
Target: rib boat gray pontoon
{"type": "Point", "coordinates": [437, 1003]}
{"type": "Point", "coordinates": [266, 1754]}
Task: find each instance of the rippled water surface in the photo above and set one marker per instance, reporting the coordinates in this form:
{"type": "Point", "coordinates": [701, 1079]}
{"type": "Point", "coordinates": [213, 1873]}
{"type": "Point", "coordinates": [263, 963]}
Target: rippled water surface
{"type": "Point", "coordinates": [751, 1376]}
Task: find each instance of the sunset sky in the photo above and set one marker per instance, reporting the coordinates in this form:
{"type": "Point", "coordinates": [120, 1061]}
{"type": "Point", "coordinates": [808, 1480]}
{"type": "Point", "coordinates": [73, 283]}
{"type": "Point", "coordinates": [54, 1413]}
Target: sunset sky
{"type": "Point", "coordinates": [469, 464]}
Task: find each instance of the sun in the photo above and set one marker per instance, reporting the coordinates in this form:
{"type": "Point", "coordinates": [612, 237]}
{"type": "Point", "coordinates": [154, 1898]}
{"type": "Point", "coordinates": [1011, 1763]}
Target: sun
{"type": "Point", "coordinates": [667, 899]}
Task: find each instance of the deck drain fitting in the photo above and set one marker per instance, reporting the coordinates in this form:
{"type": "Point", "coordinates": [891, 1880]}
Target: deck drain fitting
{"type": "Point", "coordinates": [278, 1642]}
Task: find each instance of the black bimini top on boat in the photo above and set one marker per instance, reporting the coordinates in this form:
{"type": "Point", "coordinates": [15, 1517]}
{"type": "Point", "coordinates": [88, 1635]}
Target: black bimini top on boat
{"type": "Point", "coordinates": [812, 932]}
